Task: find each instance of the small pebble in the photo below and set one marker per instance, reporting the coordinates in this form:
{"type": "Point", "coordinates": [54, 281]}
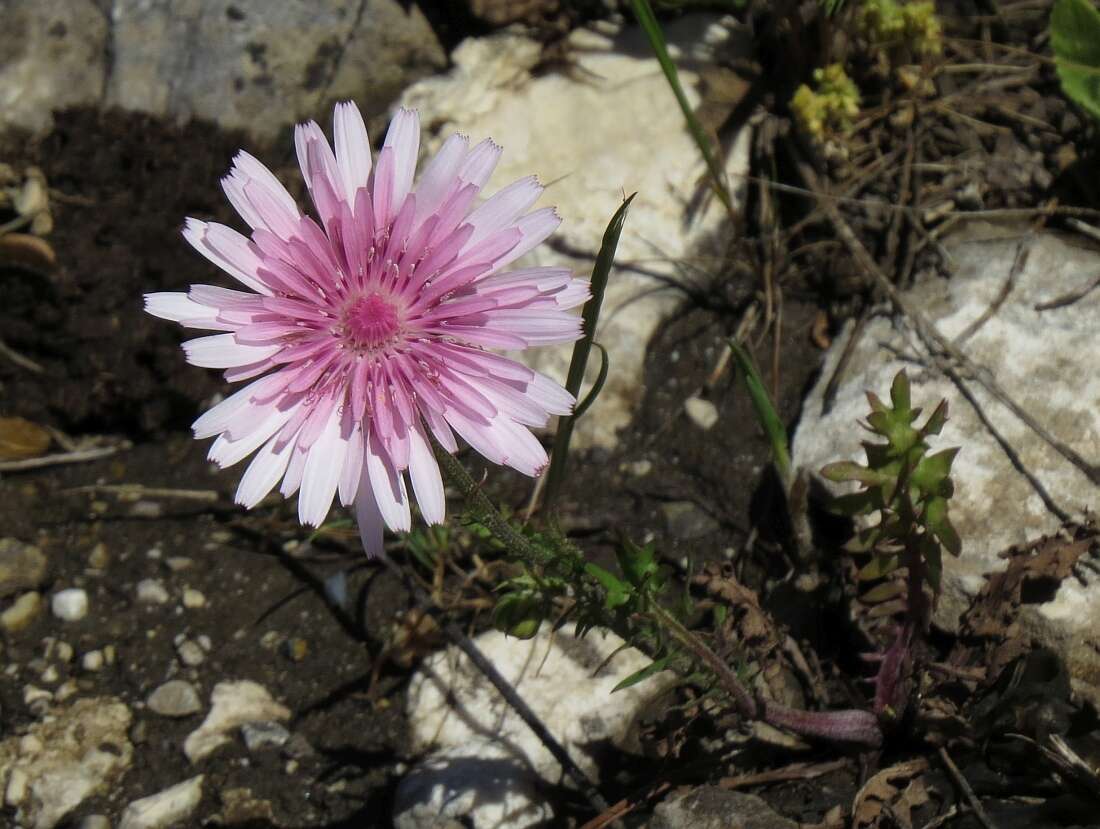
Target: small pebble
{"type": "Point", "coordinates": [70, 605]}
{"type": "Point", "coordinates": [50, 675]}
{"type": "Point", "coordinates": [63, 651]}
{"type": "Point", "coordinates": [37, 699]}
{"type": "Point", "coordinates": [296, 649]}
{"type": "Point", "coordinates": [109, 654]}
{"type": "Point", "coordinates": [152, 591]}
{"type": "Point", "coordinates": [30, 745]}
{"type": "Point", "coordinates": [147, 509]}
{"type": "Point", "coordinates": [204, 642]}
{"type": "Point", "coordinates": [98, 558]}
{"type": "Point", "coordinates": [94, 822]}
{"type": "Point", "coordinates": [175, 698]}
{"type": "Point", "coordinates": [190, 653]}
{"type": "Point", "coordinates": [16, 791]}
{"type": "Point", "coordinates": [65, 690]}
{"type": "Point", "coordinates": [177, 564]}
{"type": "Point", "coordinates": [22, 612]}
{"type": "Point", "coordinates": [702, 413]}
{"type": "Point", "coordinates": [266, 734]}
{"type": "Point", "coordinates": [92, 660]}
{"type": "Point", "coordinates": [193, 599]}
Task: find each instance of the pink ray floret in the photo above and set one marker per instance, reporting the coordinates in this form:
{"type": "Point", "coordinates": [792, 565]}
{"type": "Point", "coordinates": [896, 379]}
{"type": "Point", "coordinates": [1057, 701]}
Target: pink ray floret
{"type": "Point", "coordinates": [367, 329]}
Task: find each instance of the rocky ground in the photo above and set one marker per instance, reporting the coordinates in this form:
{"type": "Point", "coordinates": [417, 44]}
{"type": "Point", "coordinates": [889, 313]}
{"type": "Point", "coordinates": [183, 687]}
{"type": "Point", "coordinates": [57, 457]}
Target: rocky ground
{"type": "Point", "coordinates": [168, 659]}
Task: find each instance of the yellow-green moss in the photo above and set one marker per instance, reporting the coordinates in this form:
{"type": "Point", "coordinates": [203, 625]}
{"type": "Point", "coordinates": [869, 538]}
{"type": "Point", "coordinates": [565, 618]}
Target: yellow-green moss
{"type": "Point", "coordinates": [894, 24]}
{"type": "Point", "coordinates": [831, 107]}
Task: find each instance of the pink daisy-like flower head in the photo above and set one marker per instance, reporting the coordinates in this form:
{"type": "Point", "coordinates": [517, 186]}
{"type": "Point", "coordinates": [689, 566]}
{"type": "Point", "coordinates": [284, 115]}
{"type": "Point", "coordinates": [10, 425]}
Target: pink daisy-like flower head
{"type": "Point", "coordinates": [369, 328]}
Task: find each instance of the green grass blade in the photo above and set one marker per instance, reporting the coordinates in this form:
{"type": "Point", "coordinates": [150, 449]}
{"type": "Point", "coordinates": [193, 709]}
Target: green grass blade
{"type": "Point", "coordinates": [590, 316]}
{"type": "Point", "coordinates": [765, 413]}
{"type": "Point", "coordinates": [644, 12]}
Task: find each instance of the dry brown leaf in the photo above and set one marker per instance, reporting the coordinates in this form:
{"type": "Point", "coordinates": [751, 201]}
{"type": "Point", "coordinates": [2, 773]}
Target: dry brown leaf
{"type": "Point", "coordinates": [880, 797]}
{"type": "Point", "coordinates": [27, 249]}
{"type": "Point", "coordinates": [19, 438]}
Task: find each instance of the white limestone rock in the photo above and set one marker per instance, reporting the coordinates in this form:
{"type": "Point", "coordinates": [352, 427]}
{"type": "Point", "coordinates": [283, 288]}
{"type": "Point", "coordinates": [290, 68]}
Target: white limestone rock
{"type": "Point", "coordinates": [73, 754]}
{"type": "Point", "coordinates": [1046, 360]}
{"type": "Point", "coordinates": [233, 704]}
{"type": "Point", "coordinates": [164, 809]}
{"type": "Point", "coordinates": [450, 704]}
{"type": "Point", "coordinates": [607, 129]}
{"type": "Point", "coordinates": [476, 785]}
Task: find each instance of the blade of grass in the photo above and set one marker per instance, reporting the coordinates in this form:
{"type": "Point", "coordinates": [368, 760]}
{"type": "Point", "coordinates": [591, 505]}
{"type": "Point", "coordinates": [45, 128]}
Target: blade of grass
{"type": "Point", "coordinates": [644, 12]}
{"type": "Point", "coordinates": [590, 316]}
{"type": "Point", "coordinates": [765, 413]}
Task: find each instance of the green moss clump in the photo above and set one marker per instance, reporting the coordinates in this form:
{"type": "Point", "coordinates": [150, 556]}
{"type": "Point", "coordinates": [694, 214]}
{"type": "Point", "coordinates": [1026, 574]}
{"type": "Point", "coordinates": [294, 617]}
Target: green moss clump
{"type": "Point", "coordinates": [831, 107]}
{"type": "Point", "coordinates": [910, 26]}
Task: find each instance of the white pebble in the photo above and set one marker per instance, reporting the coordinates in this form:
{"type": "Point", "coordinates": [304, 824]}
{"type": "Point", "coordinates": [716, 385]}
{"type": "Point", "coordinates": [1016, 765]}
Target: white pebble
{"type": "Point", "coordinates": [151, 591]}
{"type": "Point", "coordinates": [193, 599]}
{"type": "Point", "coordinates": [702, 413]}
{"type": "Point", "coordinates": [92, 660]}
{"type": "Point", "coordinates": [70, 605]}
{"type": "Point", "coordinates": [190, 654]}
{"type": "Point", "coordinates": [50, 675]}
{"type": "Point", "coordinates": [16, 791]}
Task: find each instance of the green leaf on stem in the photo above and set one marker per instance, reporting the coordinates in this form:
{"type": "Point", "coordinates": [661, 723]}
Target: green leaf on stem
{"type": "Point", "coordinates": [639, 564]}
{"type": "Point", "coordinates": [649, 670]}
{"type": "Point", "coordinates": [878, 567]}
{"type": "Point", "coordinates": [601, 272]}
{"type": "Point", "coordinates": [618, 592]}
{"type": "Point", "coordinates": [766, 414]}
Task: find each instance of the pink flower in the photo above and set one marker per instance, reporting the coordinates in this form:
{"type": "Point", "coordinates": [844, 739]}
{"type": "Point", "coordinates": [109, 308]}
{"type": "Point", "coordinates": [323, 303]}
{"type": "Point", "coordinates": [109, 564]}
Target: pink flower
{"type": "Point", "coordinates": [369, 329]}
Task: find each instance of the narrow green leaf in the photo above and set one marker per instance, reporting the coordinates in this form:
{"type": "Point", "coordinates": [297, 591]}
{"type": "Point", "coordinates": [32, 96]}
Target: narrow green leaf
{"type": "Point", "coordinates": [840, 471]}
{"type": "Point", "coordinates": [766, 414]}
{"type": "Point", "coordinates": [645, 673]}
{"type": "Point", "coordinates": [652, 29]}
{"type": "Point", "coordinates": [856, 503]}
{"type": "Point", "coordinates": [1075, 37]}
{"type": "Point", "coordinates": [559, 457]}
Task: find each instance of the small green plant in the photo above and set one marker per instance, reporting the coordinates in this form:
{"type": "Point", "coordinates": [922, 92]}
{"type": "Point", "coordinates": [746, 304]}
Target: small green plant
{"type": "Point", "coordinates": [908, 489]}
{"type": "Point", "coordinates": [1075, 37]}
{"type": "Point", "coordinates": [831, 106]}
{"type": "Point", "coordinates": [909, 28]}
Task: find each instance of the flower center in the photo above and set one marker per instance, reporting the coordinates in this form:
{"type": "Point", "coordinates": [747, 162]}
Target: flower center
{"type": "Point", "coordinates": [371, 321]}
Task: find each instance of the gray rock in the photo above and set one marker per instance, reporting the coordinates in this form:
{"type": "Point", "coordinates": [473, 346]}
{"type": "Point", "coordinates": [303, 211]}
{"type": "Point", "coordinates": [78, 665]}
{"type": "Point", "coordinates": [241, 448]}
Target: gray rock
{"type": "Point", "coordinates": [77, 752]}
{"type": "Point", "coordinates": [686, 520]}
{"type": "Point", "coordinates": [166, 808]}
{"type": "Point", "coordinates": [609, 128]}
{"type": "Point", "coordinates": [259, 66]}
{"type": "Point", "coordinates": [710, 807]}
{"type": "Point", "coordinates": [175, 698]}
{"type": "Point", "coordinates": [476, 785]}
{"type": "Point", "coordinates": [52, 56]}
{"type": "Point", "coordinates": [22, 566]}
{"type": "Point", "coordinates": [247, 64]}
{"type": "Point", "coordinates": [264, 735]}
{"type": "Point", "coordinates": [1045, 359]}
